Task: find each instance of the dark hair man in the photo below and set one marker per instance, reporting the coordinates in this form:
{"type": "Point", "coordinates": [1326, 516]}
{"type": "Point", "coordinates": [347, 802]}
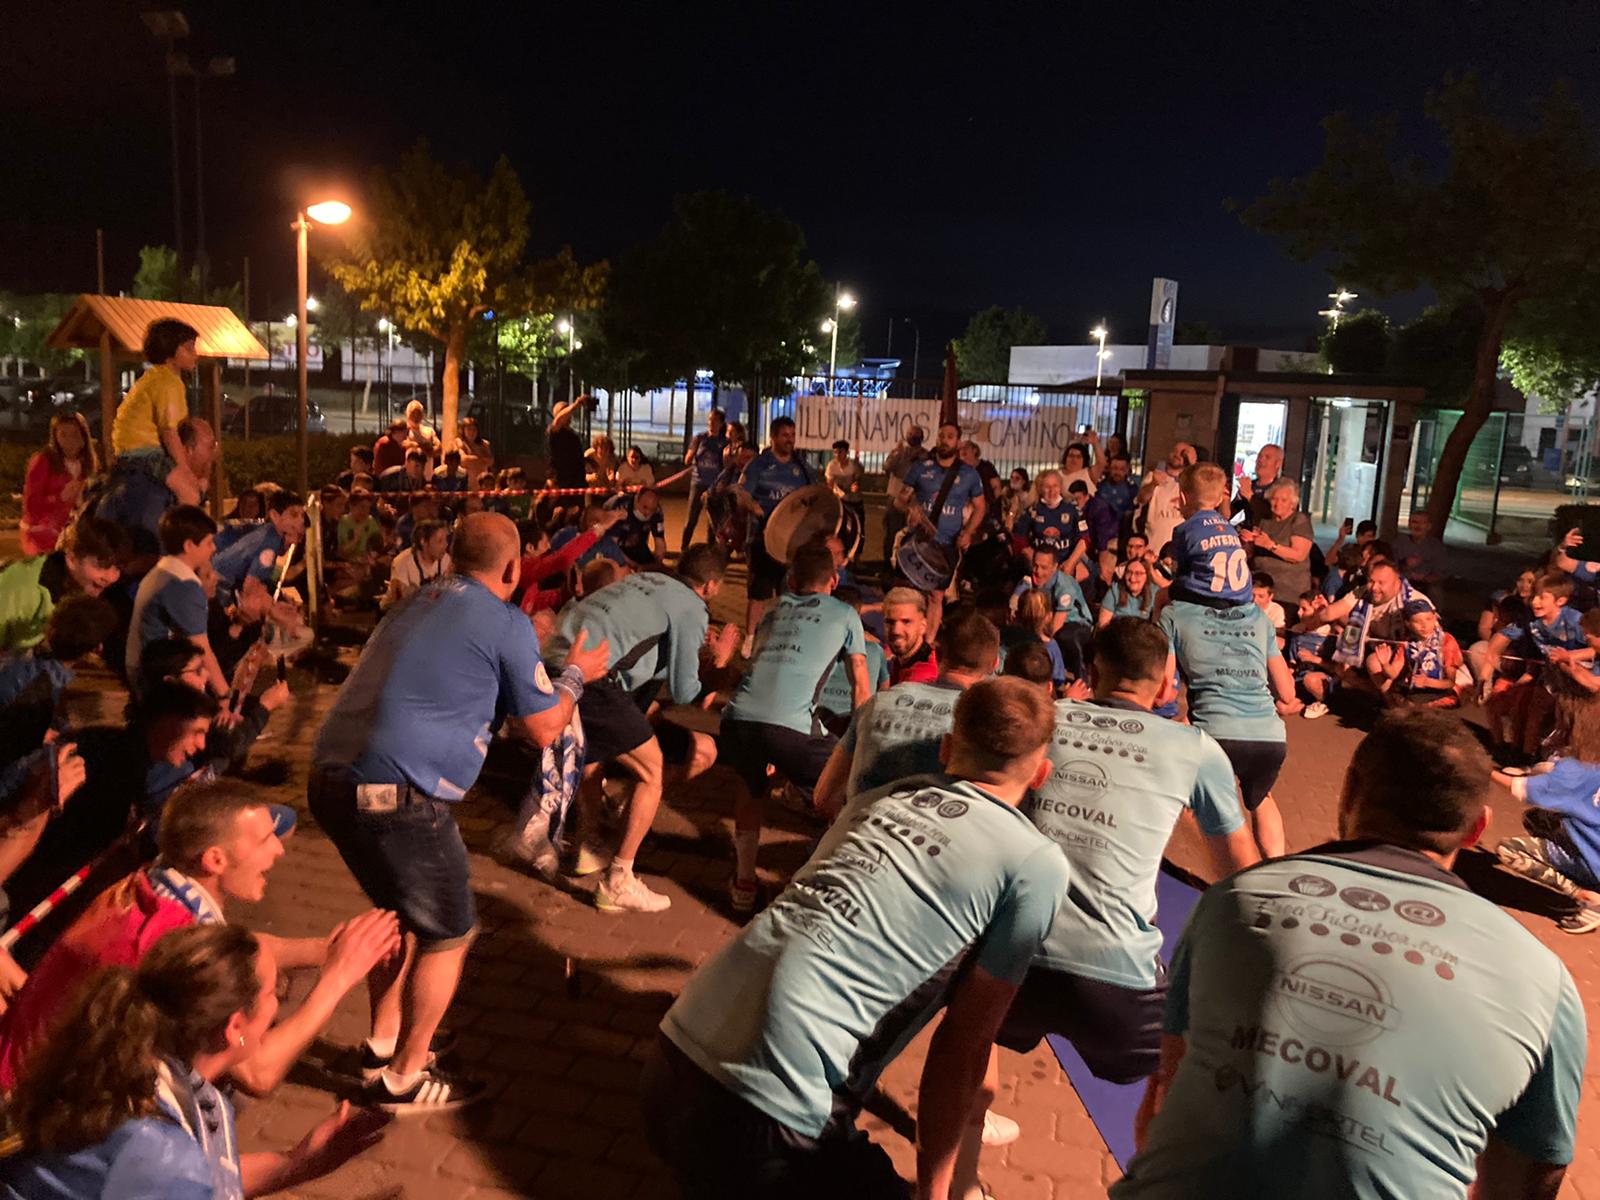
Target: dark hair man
{"type": "Point", "coordinates": [1355, 1020]}
{"type": "Point", "coordinates": [934, 894]}
{"type": "Point", "coordinates": [769, 477]}
{"type": "Point", "coordinates": [705, 456]}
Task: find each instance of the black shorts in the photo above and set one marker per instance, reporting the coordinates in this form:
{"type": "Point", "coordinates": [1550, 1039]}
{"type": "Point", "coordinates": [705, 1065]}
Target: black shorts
{"type": "Point", "coordinates": [766, 572]}
{"type": "Point", "coordinates": [1116, 1029]}
{"type": "Point", "coordinates": [749, 747]}
{"type": "Point", "coordinates": [719, 1145]}
{"type": "Point", "coordinates": [613, 721]}
{"type": "Point", "coordinates": [1257, 765]}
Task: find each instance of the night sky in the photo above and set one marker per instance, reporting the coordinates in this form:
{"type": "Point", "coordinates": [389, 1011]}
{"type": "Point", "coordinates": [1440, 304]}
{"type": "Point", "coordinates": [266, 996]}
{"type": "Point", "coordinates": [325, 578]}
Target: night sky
{"type": "Point", "coordinates": [939, 158]}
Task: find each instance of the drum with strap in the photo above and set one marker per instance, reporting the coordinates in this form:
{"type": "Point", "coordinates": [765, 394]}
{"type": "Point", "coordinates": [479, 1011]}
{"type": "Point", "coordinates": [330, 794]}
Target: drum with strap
{"type": "Point", "coordinates": [926, 565]}
{"type": "Point", "coordinates": [801, 516]}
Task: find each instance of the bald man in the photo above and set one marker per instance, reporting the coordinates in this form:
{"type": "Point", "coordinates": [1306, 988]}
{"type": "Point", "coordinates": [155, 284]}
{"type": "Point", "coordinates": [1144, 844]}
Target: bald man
{"type": "Point", "coordinates": [404, 741]}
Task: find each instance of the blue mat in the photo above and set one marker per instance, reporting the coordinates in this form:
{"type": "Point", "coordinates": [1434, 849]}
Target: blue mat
{"type": "Point", "coordinates": [1112, 1106]}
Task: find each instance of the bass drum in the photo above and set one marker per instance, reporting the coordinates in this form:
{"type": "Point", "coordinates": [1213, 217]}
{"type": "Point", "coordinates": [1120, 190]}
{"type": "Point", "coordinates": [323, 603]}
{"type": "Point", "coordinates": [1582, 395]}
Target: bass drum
{"type": "Point", "coordinates": [850, 532]}
{"type": "Point", "coordinates": [801, 516]}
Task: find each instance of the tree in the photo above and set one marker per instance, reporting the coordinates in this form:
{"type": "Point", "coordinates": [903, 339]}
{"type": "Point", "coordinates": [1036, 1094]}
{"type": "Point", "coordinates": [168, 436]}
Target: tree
{"type": "Point", "coordinates": [1557, 356]}
{"type": "Point", "coordinates": [726, 286]}
{"type": "Point", "coordinates": [1196, 333]}
{"type": "Point", "coordinates": [441, 247]}
{"type": "Point", "coordinates": [983, 352]}
{"type": "Point", "coordinates": [158, 278]}
{"type": "Point", "coordinates": [25, 323]}
{"type": "Point", "coordinates": [1439, 351]}
{"type": "Point", "coordinates": [1511, 223]}
{"type": "Point", "coordinates": [1358, 343]}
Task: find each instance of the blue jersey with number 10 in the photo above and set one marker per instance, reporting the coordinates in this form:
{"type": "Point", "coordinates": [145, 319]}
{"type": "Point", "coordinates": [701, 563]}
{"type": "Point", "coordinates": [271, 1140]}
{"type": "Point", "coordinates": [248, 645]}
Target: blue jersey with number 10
{"type": "Point", "coordinates": [1211, 560]}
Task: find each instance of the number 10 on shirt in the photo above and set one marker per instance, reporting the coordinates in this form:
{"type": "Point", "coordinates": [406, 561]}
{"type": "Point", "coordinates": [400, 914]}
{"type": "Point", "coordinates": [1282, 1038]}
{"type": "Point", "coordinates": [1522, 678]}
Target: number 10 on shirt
{"type": "Point", "coordinates": [1230, 571]}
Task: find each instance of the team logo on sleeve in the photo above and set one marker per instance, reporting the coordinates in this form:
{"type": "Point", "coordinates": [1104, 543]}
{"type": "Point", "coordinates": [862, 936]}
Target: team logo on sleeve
{"type": "Point", "coordinates": [541, 679]}
{"type": "Point", "coordinates": [267, 557]}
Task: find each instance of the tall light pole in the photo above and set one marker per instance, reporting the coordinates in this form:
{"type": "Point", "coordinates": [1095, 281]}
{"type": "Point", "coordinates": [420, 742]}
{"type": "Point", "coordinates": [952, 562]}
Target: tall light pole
{"type": "Point", "coordinates": [916, 349]}
{"type": "Point", "coordinates": [386, 327]}
{"type": "Point", "coordinates": [569, 329]}
{"type": "Point", "coordinates": [327, 212]}
{"type": "Point", "coordinates": [169, 26]}
{"type": "Point", "coordinates": [1100, 333]}
{"type": "Point", "coordinates": [843, 302]}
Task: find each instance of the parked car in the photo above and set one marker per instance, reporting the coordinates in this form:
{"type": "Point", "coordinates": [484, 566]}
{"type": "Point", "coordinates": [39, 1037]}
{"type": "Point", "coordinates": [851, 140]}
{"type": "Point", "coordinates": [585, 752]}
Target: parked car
{"type": "Point", "coordinates": [271, 413]}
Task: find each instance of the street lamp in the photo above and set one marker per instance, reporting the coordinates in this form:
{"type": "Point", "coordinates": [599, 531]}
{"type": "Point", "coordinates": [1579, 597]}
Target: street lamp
{"type": "Point", "coordinates": [916, 350]}
{"type": "Point", "coordinates": [569, 330]}
{"type": "Point", "coordinates": [842, 302]}
{"type": "Point", "coordinates": [386, 327]}
{"type": "Point", "coordinates": [1100, 333]}
{"type": "Point", "coordinates": [326, 212]}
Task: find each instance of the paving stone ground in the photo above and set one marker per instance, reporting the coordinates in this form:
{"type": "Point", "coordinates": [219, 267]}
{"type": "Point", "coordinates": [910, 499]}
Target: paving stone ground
{"type": "Point", "coordinates": [560, 1001]}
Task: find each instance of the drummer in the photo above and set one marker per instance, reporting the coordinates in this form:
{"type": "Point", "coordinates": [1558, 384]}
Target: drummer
{"type": "Point", "coordinates": [957, 520]}
{"type": "Point", "coordinates": [771, 476]}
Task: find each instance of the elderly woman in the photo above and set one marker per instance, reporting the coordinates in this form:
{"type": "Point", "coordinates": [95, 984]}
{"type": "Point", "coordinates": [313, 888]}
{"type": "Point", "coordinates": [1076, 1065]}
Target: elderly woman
{"type": "Point", "coordinates": [1281, 543]}
{"type": "Point", "coordinates": [600, 459]}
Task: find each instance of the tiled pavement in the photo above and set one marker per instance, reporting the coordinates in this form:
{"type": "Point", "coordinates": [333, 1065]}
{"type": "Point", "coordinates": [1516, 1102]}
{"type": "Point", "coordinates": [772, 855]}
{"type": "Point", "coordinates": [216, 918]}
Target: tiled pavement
{"type": "Point", "coordinates": [561, 1001]}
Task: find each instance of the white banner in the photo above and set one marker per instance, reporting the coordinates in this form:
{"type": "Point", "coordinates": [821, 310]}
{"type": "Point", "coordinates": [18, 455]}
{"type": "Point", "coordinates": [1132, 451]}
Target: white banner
{"type": "Point", "coordinates": [1014, 433]}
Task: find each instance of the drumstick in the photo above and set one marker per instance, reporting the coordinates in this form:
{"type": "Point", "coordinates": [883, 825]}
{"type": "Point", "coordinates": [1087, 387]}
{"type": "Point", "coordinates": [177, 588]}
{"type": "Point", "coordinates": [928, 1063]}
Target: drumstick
{"type": "Point", "coordinates": [236, 701]}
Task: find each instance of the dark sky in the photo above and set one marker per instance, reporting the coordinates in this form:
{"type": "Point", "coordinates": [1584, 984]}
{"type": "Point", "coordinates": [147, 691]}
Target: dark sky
{"type": "Point", "coordinates": [941, 158]}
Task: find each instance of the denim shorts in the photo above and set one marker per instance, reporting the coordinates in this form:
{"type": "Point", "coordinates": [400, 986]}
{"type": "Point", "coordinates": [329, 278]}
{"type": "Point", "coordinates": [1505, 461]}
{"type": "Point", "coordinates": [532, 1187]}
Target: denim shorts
{"type": "Point", "coordinates": [410, 859]}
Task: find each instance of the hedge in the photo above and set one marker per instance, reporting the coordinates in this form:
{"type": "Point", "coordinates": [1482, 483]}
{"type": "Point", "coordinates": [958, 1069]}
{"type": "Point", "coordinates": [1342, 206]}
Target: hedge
{"type": "Point", "coordinates": [277, 459]}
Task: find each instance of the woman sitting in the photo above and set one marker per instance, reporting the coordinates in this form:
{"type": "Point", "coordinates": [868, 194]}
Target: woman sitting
{"type": "Point", "coordinates": [54, 482]}
{"type": "Point", "coordinates": [120, 1100]}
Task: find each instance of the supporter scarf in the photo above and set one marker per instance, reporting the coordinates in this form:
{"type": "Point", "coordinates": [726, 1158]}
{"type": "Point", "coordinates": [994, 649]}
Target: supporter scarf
{"type": "Point", "coordinates": [1426, 657]}
{"type": "Point", "coordinates": [555, 785]}
{"type": "Point", "coordinates": [180, 889]}
{"type": "Point", "coordinates": [1352, 645]}
{"type": "Point", "coordinates": [203, 1114]}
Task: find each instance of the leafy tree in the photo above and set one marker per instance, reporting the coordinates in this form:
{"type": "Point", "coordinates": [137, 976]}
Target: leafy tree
{"type": "Point", "coordinates": [983, 352]}
{"type": "Point", "coordinates": [1439, 351]}
{"type": "Point", "coordinates": [1557, 358]}
{"type": "Point", "coordinates": [1511, 223]}
{"type": "Point", "coordinates": [727, 286]}
{"type": "Point", "coordinates": [25, 323]}
{"type": "Point", "coordinates": [442, 246]}
{"type": "Point", "coordinates": [1358, 343]}
{"type": "Point", "coordinates": [158, 278]}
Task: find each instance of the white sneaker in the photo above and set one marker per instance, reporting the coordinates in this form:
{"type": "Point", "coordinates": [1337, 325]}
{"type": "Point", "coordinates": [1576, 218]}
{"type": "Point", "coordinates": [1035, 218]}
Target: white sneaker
{"type": "Point", "coordinates": [1314, 710]}
{"type": "Point", "coordinates": [529, 849]}
{"type": "Point", "coordinates": [628, 893]}
{"type": "Point", "coordinates": [998, 1130]}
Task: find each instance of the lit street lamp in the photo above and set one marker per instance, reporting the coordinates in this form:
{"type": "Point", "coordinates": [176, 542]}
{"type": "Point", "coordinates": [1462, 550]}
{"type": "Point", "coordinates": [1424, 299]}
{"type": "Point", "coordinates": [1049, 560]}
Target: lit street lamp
{"type": "Point", "coordinates": [386, 327]}
{"type": "Point", "coordinates": [327, 212]}
{"type": "Point", "coordinates": [1100, 333]}
{"type": "Point", "coordinates": [567, 328]}
{"type": "Point", "coordinates": [842, 302]}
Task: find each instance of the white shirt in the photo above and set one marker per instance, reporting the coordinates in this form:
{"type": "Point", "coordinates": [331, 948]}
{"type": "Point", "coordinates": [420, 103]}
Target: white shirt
{"type": "Point", "coordinates": [406, 574]}
{"type": "Point", "coordinates": [1164, 514]}
{"type": "Point", "coordinates": [641, 476]}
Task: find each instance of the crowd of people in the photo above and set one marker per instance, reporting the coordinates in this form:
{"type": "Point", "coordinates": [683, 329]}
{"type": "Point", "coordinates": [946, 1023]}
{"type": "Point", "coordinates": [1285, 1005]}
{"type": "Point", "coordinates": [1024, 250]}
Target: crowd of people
{"type": "Point", "coordinates": [992, 744]}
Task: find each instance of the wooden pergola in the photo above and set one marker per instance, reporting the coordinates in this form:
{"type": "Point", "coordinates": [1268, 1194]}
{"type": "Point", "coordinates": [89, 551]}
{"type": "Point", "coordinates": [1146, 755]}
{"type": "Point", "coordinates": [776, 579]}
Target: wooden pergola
{"type": "Point", "coordinates": [115, 326]}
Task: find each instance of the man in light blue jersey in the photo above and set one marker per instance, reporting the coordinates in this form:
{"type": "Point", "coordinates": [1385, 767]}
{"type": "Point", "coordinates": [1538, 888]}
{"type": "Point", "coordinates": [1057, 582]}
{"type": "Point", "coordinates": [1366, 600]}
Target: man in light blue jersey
{"type": "Point", "coordinates": [1231, 664]}
{"type": "Point", "coordinates": [897, 733]}
{"type": "Point", "coordinates": [772, 719]}
{"type": "Point", "coordinates": [837, 701]}
{"type": "Point", "coordinates": [934, 893]}
{"type": "Point", "coordinates": [1120, 778]}
{"type": "Point", "coordinates": [405, 739]}
{"type": "Point", "coordinates": [655, 623]}
{"type": "Point", "coordinates": [1352, 1022]}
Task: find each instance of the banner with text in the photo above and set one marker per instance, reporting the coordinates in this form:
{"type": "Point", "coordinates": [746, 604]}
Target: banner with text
{"type": "Point", "coordinates": [1014, 434]}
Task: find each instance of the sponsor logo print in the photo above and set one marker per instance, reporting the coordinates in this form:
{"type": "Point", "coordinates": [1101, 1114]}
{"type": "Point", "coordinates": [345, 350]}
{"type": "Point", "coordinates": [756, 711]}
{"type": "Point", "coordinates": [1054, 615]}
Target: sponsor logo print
{"type": "Point", "coordinates": [1104, 722]}
{"type": "Point", "coordinates": [1419, 912]}
{"type": "Point", "coordinates": [1331, 1000]}
{"type": "Point", "coordinates": [1082, 776]}
{"type": "Point", "coordinates": [951, 809]}
{"type": "Point", "coordinates": [1077, 718]}
{"type": "Point", "coordinates": [1364, 899]}
{"type": "Point", "coordinates": [1311, 885]}
{"type": "Point", "coordinates": [1131, 726]}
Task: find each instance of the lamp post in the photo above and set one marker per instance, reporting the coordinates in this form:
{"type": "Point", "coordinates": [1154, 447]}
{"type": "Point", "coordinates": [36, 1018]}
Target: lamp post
{"type": "Point", "coordinates": [842, 302]}
{"type": "Point", "coordinates": [916, 350]}
{"type": "Point", "coordinates": [386, 327]}
{"type": "Point", "coordinates": [1100, 333]}
{"type": "Point", "coordinates": [327, 212]}
{"type": "Point", "coordinates": [569, 330]}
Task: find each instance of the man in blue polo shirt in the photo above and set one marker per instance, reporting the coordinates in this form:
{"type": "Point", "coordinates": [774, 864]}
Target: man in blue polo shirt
{"type": "Point", "coordinates": [405, 739]}
{"type": "Point", "coordinates": [763, 484]}
{"type": "Point", "coordinates": [254, 552]}
{"type": "Point", "coordinates": [772, 720]}
{"type": "Point", "coordinates": [1353, 1022]}
{"type": "Point", "coordinates": [957, 521]}
{"type": "Point", "coordinates": [934, 894]}
{"type": "Point", "coordinates": [171, 601]}
{"type": "Point", "coordinates": [705, 455]}
{"type": "Point", "coordinates": [642, 532]}
{"type": "Point", "coordinates": [1120, 779]}
{"type": "Point", "coordinates": [897, 733]}
{"type": "Point", "coordinates": [1231, 664]}
{"type": "Point", "coordinates": [655, 624]}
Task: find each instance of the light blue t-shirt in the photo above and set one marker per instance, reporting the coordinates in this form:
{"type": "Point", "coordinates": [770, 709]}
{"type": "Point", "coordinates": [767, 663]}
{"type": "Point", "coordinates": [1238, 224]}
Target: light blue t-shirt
{"type": "Point", "coordinates": [655, 625]}
{"type": "Point", "coordinates": [798, 643]}
{"type": "Point", "coordinates": [926, 479]}
{"type": "Point", "coordinates": [799, 1013]}
{"type": "Point", "coordinates": [1120, 778]}
{"type": "Point", "coordinates": [1064, 595]}
{"type": "Point", "coordinates": [1357, 1025]}
{"type": "Point", "coordinates": [1120, 602]}
{"type": "Point", "coordinates": [837, 695]}
{"type": "Point", "coordinates": [896, 735]}
{"type": "Point", "coordinates": [418, 706]}
{"type": "Point", "coordinates": [170, 603]}
{"type": "Point", "coordinates": [1222, 654]}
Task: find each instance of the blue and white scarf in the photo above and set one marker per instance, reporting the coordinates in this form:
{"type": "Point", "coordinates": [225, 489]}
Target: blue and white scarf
{"type": "Point", "coordinates": [180, 889]}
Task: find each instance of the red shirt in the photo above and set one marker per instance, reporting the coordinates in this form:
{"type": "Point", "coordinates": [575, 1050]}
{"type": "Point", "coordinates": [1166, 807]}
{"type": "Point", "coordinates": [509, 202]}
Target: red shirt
{"type": "Point", "coordinates": [45, 508]}
{"type": "Point", "coordinates": [115, 931]}
{"type": "Point", "coordinates": [386, 453]}
{"type": "Point", "coordinates": [920, 667]}
{"type": "Point", "coordinates": [542, 566]}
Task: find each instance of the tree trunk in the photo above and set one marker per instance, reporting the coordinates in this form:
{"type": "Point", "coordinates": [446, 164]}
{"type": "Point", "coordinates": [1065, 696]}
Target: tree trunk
{"type": "Point", "coordinates": [455, 353]}
{"type": "Point", "coordinates": [1479, 404]}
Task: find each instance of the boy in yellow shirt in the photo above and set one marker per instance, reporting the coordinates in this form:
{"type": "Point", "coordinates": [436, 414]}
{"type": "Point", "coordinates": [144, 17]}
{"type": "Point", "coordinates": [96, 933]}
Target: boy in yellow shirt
{"type": "Point", "coordinates": [145, 430]}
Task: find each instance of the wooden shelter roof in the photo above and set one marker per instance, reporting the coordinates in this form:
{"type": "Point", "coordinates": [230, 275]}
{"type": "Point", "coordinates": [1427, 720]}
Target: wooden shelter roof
{"type": "Point", "coordinates": [222, 333]}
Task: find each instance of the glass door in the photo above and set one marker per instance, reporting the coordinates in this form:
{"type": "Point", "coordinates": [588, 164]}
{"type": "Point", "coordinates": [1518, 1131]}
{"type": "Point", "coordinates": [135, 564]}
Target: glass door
{"type": "Point", "coordinates": [1343, 463]}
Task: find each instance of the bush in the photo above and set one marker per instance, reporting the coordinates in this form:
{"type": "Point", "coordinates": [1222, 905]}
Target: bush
{"type": "Point", "coordinates": [245, 464]}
